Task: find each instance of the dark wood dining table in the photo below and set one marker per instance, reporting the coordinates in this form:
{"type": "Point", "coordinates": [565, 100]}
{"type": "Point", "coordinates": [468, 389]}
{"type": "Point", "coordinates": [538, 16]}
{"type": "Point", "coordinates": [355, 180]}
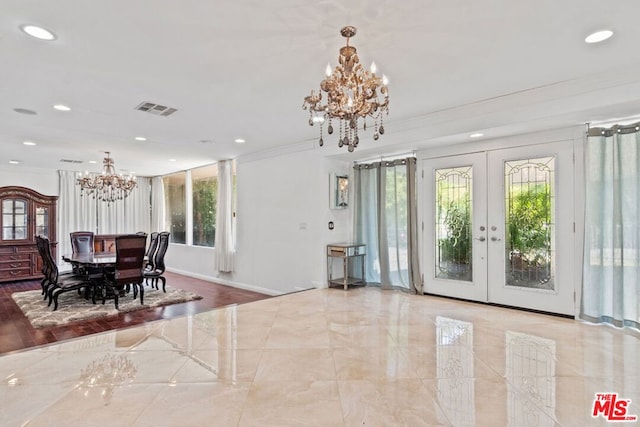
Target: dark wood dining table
{"type": "Point", "coordinates": [91, 259]}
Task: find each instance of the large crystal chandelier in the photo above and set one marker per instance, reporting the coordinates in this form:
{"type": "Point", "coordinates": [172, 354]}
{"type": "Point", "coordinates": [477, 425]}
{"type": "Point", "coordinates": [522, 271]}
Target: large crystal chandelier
{"type": "Point", "coordinates": [107, 186]}
{"type": "Point", "coordinates": [353, 93]}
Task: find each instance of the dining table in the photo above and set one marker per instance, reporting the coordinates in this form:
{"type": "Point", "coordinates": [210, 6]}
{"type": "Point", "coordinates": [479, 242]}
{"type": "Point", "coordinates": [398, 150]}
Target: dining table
{"type": "Point", "coordinates": [91, 259]}
{"type": "Point", "coordinates": [95, 264]}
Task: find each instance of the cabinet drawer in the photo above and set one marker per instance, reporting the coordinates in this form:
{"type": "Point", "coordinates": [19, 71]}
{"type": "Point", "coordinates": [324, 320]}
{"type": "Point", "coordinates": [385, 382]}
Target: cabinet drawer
{"type": "Point", "coordinates": [15, 274]}
{"type": "Point", "coordinates": [15, 257]}
{"type": "Point", "coordinates": [28, 249]}
{"type": "Point", "coordinates": [12, 265]}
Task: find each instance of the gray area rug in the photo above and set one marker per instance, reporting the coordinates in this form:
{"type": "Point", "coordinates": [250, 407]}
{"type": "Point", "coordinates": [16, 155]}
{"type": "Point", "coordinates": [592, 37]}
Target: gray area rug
{"type": "Point", "coordinates": [73, 307]}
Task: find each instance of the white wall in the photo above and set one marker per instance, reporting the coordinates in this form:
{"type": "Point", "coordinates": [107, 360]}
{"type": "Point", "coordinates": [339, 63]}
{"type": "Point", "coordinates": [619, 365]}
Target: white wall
{"type": "Point", "coordinates": [283, 215]}
{"type": "Point", "coordinates": [282, 225]}
{"type": "Point", "coordinates": [41, 180]}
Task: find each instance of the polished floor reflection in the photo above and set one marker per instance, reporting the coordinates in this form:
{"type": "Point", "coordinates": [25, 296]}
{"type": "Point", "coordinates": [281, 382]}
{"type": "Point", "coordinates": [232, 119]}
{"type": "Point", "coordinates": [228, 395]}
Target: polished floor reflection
{"type": "Point", "coordinates": [328, 357]}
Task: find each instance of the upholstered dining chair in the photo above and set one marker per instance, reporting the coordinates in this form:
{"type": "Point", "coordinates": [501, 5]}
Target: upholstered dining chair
{"type": "Point", "coordinates": [130, 249]}
{"type": "Point", "coordinates": [81, 243]}
{"type": "Point", "coordinates": [155, 268]}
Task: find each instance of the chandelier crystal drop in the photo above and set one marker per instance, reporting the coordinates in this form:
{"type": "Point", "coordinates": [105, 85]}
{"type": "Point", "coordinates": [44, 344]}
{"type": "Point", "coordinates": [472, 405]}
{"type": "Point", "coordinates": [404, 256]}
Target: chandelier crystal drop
{"type": "Point", "coordinates": [107, 186]}
{"type": "Point", "coordinates": [353, 93]}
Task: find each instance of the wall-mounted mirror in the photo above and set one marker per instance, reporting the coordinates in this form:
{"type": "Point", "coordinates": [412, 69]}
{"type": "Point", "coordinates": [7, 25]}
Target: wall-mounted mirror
{"type": "Point", "coordinates": [339, 193]}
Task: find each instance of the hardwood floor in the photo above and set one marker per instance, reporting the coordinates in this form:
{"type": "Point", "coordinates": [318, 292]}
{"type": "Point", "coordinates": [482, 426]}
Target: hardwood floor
{"type": "Point", "coordinates": [16, 332]}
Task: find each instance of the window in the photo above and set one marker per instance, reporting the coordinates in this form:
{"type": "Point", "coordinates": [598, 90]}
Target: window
{"type": "Point", "coordinates": [175, 206]}
{"type": "Point", "coordinates": [204, 191]}
{"type": "Point", "coordinates": [191, 204]}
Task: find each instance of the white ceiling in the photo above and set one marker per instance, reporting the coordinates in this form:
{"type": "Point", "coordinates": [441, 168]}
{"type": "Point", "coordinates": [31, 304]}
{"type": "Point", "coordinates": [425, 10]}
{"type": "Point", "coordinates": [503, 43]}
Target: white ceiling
{"type": "Point", "coordinates": [242, 68]}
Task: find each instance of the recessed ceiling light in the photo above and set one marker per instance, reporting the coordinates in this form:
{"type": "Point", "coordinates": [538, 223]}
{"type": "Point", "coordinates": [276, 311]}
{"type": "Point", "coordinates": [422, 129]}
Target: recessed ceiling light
{"type": "Point", "coordinates": [239, 141]}
{"type": "Point", "coordinates": [140, 138]}
{"type": "Point", "coordinates": [61, 107]}
{"type": "Point", "coordinates": [476, 135]}
{"type": "Point", "coordinates": [172, 160]}
{"type": "Point", "coordinates": [25, 111]}
{"type": "Point", "coordinates": [29, 143]}
{"type": "Point", "coordinates": [38, 32]}
{"type": "Point", "coordinates": [14, 162]}
{"type": "Point", "coordinates": [598, 36]}
{"type": "Point", "coordinates": [93, 162]}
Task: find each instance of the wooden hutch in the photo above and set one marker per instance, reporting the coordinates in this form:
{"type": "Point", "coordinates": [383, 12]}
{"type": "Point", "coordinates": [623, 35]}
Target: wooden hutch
{"type": "Point", "coordinates": [25, 213]}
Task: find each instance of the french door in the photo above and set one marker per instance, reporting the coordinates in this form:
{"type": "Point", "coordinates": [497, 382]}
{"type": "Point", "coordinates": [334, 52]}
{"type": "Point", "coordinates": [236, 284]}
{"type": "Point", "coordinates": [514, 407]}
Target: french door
{"type": "Point", "coordinates": [498, 227]}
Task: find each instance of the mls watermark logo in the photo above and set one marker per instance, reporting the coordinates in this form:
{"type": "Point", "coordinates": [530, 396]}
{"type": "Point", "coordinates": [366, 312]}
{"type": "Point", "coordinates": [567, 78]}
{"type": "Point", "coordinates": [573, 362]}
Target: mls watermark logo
{"type": "Point", "coordinates": [611, 408]}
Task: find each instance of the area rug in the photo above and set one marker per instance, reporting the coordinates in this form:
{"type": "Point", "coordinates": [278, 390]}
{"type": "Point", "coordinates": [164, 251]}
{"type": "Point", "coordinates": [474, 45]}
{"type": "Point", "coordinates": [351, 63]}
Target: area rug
{"type": "Point", "coordinates": [73, 307]}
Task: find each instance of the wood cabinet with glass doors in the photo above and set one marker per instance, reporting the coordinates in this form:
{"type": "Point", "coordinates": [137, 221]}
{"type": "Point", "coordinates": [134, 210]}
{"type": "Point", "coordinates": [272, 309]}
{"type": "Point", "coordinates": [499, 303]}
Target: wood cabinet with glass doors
{"type": "Point", "coordinates": [25, 213]}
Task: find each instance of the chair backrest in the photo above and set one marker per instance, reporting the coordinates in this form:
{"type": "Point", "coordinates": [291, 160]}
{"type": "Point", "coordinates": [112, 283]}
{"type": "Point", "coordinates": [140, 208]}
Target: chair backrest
{"type": "Point", "coordinates": [50, 268]}
{"type": "Point", "coordinates": [130, 250]}
{"type": "Point", "coordinates": [163, 245]}
{"type": "Point", "coordinates": [153, 246]}
{"type": "Point", "coordinates": [82, 242]}
{"type": "Point", "coordinates": [43, 256]}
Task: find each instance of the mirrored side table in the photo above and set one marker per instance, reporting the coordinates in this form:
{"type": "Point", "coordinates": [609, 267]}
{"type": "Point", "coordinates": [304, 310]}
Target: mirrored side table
{"type": "Point", "coordinates": [350, 254]}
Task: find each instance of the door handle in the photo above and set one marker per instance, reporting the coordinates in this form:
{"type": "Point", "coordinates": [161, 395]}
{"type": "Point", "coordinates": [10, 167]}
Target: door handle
{"type": "Point", "coordinates": [481, 238]}
{"type": "Point", "coordinates": [495, 239]}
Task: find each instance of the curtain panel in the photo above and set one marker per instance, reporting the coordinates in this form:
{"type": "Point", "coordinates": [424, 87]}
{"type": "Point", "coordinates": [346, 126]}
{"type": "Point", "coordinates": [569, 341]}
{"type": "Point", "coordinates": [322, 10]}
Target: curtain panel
{"type": "Point", "coordinates": [224, 245]}
{"type": "Point", "coordinates": [385, 221]}
{"type": "Point", "coordinates": [611, 267]}
{"type": "Point", "coordinates": [157, 202]}
{"type": "Point", "coordinates": [78, 212]}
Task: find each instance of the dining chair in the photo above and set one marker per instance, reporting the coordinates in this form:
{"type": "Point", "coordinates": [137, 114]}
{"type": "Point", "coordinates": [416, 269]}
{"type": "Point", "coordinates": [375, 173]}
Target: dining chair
{"type": "Point", "coordinates": [156, 266]}
{"type": "Point", "coordinates": [151, 250]}
{"type": "Point", "coordinates": [81, 243]}
{"type": "Point", "coordinates": [58, 283]}
{"type": "Point", "coordinates": [42, 245]}
{"type": "Point", "coordinates": [127, 272]}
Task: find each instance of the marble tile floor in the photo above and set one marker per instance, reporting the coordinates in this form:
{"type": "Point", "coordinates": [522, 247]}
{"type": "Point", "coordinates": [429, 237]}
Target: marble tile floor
{"type": "Point", "coordinates": [328, 357]}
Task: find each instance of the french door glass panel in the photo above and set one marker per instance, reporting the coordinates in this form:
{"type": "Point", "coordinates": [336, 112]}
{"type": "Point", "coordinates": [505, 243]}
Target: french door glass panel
{"type": "Point", "coordinates": [454, 209]}
{"type": "Point", "coordinates": [499, 227]}
{"type": "Point", "coordinates": [453, 223]}
{"type": "Point", "coordinates": [529, 227]}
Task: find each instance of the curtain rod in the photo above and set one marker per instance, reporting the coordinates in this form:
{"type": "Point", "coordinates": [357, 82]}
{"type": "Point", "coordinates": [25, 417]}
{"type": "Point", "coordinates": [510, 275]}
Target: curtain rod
{"type": "Point", "coordinates": [389, 157]}
{"type": "Point", "coordinates": [610, 130]}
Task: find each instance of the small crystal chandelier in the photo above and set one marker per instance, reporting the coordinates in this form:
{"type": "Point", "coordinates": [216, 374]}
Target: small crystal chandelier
{"type": "Point", "coordinates": [108, 186]}
{"type": "Point", "coordinates": [352, 93]}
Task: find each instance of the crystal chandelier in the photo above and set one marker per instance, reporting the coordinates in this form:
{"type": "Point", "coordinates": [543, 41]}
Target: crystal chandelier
{"type": "Point", "coordinates": [108, 186]}
{"type": "Point", "coordinates": [353, 93]}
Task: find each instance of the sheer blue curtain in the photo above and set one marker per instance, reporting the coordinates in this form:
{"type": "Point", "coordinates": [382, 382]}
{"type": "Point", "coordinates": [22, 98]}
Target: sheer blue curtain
{"type": "Point", "coordinates": [611, 282]}
{"type": "Point", "coordinates": [385, 221]}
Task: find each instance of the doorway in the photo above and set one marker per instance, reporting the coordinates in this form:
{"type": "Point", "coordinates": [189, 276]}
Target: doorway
{"type": "Point", "coordinates": [499, 227]}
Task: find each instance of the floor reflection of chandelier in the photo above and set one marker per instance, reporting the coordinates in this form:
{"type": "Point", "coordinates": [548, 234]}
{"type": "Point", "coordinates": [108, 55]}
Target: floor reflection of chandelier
{"type": "Point", "coordinates": [353, 93]}
{"type": "Point", "coordinates": [108, 186]}
{"type": "Point", "coordinates": [107, 373]}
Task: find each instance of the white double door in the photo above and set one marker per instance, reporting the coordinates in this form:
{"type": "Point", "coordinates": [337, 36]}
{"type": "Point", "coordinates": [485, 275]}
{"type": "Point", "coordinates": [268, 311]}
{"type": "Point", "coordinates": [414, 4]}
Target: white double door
{"type": "Point", "coordinates": [499, 227]}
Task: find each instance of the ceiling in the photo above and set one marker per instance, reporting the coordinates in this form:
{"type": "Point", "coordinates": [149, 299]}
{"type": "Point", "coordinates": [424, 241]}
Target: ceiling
{"type": "Point", "coordinates": [240, 69]}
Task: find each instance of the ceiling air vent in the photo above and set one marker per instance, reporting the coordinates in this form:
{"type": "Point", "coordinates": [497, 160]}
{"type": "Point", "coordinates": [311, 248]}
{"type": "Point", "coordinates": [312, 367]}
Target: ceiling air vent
{"type": "Point", "coordinates": [70, 161]}
{"type": "Point", "coordinates": [156, 109]}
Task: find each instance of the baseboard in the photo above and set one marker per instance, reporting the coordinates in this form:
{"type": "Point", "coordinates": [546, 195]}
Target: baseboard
{"type": "Point", "coordinates": [319, 285]}
{"type": "Point", "coordinates": [226, 282]}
